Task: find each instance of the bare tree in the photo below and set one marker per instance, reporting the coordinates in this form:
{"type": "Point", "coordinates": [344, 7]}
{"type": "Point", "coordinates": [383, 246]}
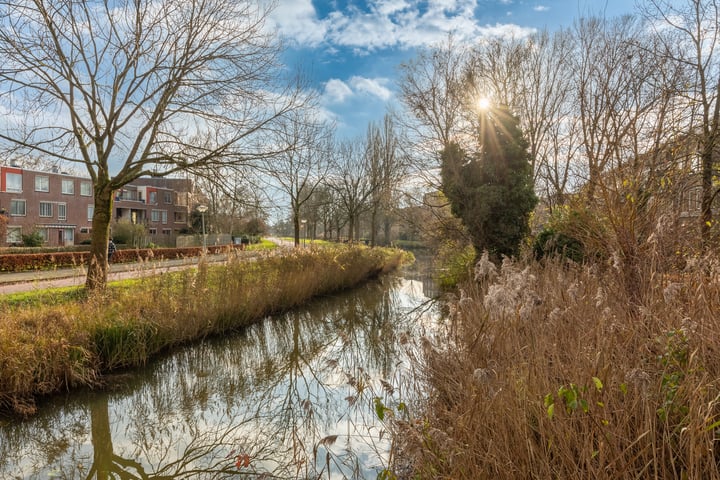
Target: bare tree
{"type": "Point", "coordinates": [432, 90]}
{"type": "Point", "coordinates": [302, 165]}
{"type": "Point", "coordinates": [351, 180]}
{"type": "Point", "coordinates": [388, 166]}
{"type": "Point", "coordinates": [690, 33]}
{"type": "Point", "coordinates": [132, 88]}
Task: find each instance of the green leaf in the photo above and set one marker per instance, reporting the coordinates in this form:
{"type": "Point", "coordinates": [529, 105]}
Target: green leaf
{"type": "Point", "coordinates": [548, 400]}
{"type": "Point", "coordinates": [598, 384]}
{"type": "Point", "coordinates": [550, 411]}
{"type": "Point", "coordinates": [623, 388]}
{"type": "Point", "coordinates": [379, 409]}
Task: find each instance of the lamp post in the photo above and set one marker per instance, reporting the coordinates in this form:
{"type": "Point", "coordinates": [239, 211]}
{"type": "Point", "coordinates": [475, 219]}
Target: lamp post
{"type": "Point", "coordinates": [202, 209]}
{"type": "Point", "coordinates": [304, 224]}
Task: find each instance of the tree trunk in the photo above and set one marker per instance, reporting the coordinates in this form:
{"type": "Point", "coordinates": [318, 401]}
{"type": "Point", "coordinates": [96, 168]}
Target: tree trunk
{"type": "Point", "coordinates": [387, 229]}
{"type": "Point", "coordinates": [97, 268]}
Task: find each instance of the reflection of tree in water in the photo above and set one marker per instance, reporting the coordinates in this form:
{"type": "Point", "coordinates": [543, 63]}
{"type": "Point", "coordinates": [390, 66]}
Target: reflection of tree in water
{"type": "Point", "coordinates": [278, 391]}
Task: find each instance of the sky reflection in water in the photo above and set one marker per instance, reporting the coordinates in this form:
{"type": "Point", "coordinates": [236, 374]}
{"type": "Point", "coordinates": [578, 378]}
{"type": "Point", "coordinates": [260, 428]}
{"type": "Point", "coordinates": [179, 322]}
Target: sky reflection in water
{"type": "Point", "coordinates": [291, 397]}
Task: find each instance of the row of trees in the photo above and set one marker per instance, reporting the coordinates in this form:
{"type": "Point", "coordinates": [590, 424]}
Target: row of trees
{"type": "Point", "coordinates": [331, 183]}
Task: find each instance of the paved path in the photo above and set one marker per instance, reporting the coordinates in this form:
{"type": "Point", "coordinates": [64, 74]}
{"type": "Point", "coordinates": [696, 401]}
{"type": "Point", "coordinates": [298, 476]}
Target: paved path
{"type": "Point", "coordinates": [68, 277]}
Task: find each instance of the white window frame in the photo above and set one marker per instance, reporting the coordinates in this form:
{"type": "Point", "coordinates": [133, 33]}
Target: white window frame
{"type": "Point", "coordinates": [155, 216]}
{"type": "Point", "coordinates": [12, 188]}
{"type": "Point", "coordinates": [18, 201]}
{"type": "Point", "coordinates": [46, 206]}
{"type": "Point", "coordinates": [85, 189]}
{"type": "Point", "coordinates": [62, 211]}
{"type": "Point", "coordinates": [68, 186]}
{"type": "Point", "coordinates": [164, 216]}
{"type": "Point", "coordinates": [42, 183]}
{"type": "Point", "coordinates": [90, 212]}
{"type": "Point", "coordinates": [167, 197]}
{"type": "Point", "coordinates": [44, 234]}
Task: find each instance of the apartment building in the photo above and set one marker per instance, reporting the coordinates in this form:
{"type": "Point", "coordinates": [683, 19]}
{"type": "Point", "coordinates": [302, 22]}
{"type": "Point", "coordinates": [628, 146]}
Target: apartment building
{"type": "Point", "coordinates": [60, 206]}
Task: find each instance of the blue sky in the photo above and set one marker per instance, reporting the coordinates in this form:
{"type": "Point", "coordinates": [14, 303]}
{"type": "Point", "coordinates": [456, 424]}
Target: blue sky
{"type": "Point", "coordinates": [350, 49]}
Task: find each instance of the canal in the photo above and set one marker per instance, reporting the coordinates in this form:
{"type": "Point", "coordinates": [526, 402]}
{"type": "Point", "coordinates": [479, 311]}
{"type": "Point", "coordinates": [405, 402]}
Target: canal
{"type": "Point", "coordinates": [296, 396]}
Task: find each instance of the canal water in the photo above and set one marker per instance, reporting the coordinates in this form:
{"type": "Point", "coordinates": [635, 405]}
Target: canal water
{"type": "Point", "coordinates": [297, 396]}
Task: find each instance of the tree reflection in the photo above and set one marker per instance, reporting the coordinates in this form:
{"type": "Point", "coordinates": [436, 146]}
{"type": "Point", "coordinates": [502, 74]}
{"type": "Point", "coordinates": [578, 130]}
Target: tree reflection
{"type": "Point", "coordinates": [290, 397]}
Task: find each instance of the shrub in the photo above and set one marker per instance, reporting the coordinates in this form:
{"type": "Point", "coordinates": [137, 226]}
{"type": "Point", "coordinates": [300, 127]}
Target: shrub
{"type": "Point", "coordinates": [33, 239]}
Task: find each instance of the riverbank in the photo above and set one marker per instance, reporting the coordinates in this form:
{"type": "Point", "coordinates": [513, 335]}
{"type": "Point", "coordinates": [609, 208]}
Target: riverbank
{"type": "Point", "coordinates": [553, 370]}
{"type": "Point", "coordinates": [62, 341]}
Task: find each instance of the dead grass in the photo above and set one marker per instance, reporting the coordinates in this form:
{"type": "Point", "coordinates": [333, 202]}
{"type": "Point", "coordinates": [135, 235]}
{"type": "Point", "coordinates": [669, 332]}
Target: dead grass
{"type": "Point", "coordinates": [549, 372]}
{"type": "Point", "coordinates": [46, 348]}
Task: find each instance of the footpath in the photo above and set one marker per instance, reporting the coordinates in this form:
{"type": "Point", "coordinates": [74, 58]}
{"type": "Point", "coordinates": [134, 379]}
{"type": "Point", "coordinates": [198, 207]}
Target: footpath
{"type": "Point", "coordinates": [14, 282]}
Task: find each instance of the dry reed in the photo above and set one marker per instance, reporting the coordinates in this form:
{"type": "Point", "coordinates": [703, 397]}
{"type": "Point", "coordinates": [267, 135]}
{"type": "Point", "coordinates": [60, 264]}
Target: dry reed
{"type": "Point", "coordinates": [549, 372]}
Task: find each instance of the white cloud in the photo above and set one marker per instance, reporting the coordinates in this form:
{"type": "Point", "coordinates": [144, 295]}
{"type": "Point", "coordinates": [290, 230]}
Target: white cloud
{"type": "Point", "coordinates": [505, 31]}
{"type": "Point", "coordinates": [297, 20]}
{"type": "Point", "coordinates": [336, 91]}
{"type": "Point", "coordinates": [372, 86]}
{"type": "Point", "coordinates": [541, 8]}
{"type": "Point", "coordinates": [385, 24]}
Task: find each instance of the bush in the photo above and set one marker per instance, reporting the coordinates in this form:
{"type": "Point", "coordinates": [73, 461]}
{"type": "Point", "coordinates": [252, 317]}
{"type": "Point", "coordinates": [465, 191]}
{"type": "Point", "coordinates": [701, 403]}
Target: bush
{"type": "Point", "coordinates": [549, 243]}
{"type": "Point", "coordinates": [33, 239]}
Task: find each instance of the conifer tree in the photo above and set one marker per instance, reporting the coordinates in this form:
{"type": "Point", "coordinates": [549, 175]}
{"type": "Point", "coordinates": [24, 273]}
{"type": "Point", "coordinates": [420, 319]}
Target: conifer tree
{"type": "Point", "coordinates": [491, 188]}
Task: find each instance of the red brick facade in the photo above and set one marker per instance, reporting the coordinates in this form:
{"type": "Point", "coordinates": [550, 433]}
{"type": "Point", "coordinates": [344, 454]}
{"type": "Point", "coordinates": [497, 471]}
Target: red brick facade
{"type": "Point", "coordinates": [60, 206]}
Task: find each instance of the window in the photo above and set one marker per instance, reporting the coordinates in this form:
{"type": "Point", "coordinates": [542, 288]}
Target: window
{"type": "Point", "coordinates": [179, 217]}
{"type": "Point", "coordinates": [13, 182]}
{"type": "Point", "coordinates": [167, 231]}
{"type": "Point", "coordinates": [69, 236]}
{"type": "Point", "coordinates": [168, 197]}
{"type": "Point", "coordinates": [68, 187]}
{"type": "Point", "coordinates": [155, 216]}
{"type": "Point", "coordinates": [17, 208]}
{"type": "Point", "coordinates": [91, 212]}
{"type": "Point", "coordinates": [85, 230]}
{"type": "Point", "coordinates": [86, 189]}
{"type": "Point", "coordinates": [42, 183]}
{"type": "Point", "coordinates": [153, 197]}
{"type": "Point", "coordinates": [62, 211]}
{"type": "Point", "coordinates": [164, 216]}
{"type": "Point", "coordinates": [14, 235]}
{"type": "Point", "coordinates": [44, 234]}
{"type": "Point", "coordinates": [46, 209]}
{"type": "Point", "coordinates": [153, 231]}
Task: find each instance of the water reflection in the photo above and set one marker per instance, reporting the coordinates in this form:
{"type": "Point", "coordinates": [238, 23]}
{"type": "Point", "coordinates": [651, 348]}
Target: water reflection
{"type": "Point", "coordinates": [291, 397]}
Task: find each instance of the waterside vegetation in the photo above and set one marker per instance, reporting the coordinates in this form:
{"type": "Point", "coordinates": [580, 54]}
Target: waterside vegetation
{"type": "Point", "coordinates": [47, 346]}
{"type": "Point", "coordinates": [551, 370]}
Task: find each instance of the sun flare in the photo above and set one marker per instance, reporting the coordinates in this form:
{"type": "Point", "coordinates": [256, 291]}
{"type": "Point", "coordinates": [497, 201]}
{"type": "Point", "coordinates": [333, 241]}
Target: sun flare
{"type": "Point", "coordinates": [483, 103]}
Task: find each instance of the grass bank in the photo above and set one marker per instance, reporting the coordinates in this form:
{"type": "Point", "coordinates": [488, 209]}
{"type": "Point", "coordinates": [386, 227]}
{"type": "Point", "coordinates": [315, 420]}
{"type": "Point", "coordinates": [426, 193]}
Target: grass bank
{"type": "Point", "coordinates": [549, 371]}
{"type": "Point", "coordinates": [50, 343]}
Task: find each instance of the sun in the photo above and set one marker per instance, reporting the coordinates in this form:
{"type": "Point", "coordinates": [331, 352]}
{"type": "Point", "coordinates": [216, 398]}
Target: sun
{"type": "Point", "coordinates": [483, 103]}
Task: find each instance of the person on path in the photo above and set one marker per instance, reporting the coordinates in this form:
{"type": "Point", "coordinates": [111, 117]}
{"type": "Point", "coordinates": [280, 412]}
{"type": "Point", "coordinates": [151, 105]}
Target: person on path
{"type": "Point", "coordinates": [111, 250]}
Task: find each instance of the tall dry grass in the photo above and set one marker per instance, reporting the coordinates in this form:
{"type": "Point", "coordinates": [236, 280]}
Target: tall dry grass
{"type": "Point", "coordinates": [549, 372]}
{"type": "Point", "coordinates": [52, 347]}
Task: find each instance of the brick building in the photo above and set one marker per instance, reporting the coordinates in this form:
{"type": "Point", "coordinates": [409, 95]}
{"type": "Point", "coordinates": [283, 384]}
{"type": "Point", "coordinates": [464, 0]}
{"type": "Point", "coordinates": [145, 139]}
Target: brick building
{"type": "Point", "coordinates": [60, 206]}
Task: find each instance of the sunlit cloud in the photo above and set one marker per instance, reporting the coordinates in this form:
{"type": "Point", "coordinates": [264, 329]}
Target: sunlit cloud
{"type": "Point", "coordinates": [541, 8]}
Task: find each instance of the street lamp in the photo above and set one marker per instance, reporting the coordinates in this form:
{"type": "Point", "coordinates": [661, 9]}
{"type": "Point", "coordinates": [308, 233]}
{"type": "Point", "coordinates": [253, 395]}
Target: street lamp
{"type": "Point", "coordinates": [304, 224]}
{"type": "Point", "coordinates": [202, 209]}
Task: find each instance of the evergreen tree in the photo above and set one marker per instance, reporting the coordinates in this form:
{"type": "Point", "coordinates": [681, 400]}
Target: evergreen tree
{"type": "Point", "coordinates": [491, 189]}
